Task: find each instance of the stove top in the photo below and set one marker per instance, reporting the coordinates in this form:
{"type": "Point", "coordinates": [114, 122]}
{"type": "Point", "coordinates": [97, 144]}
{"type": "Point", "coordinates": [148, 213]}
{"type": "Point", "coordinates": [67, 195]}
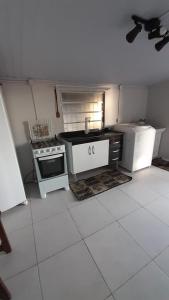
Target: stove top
{"type": "Point", "coordinates": [46, 144]}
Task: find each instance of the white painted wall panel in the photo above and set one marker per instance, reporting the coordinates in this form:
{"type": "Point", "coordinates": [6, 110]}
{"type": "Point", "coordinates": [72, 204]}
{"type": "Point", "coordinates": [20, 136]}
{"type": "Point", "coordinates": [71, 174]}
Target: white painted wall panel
{"type": "Point", "coordinates": [158, 112]}
{"type": "Point", "coordinates": [111, 106]}
{"type": "Point", "coordinates": [133, 103]}
{"type": "Point", "coordinates": [19, 102]}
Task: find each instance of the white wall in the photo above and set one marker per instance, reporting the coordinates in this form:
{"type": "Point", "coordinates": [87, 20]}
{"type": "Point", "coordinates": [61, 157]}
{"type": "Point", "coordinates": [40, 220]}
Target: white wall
{"type": "Point", "coordinates": [111, 105]}
{"type": "Point", "coordinates": [19, 103]}
{"type": "Point", "coordinates": [158, 112]}
{"type": "Point", "coordinates": [133, 103]}
{"type": "Point", "coordinates": [20, 107]}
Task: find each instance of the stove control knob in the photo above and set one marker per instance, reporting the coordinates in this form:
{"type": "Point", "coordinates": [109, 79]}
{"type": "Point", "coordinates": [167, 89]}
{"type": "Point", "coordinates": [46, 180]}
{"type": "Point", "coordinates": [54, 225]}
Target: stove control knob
{"type": "Point", "coordinates": [58, 148]}
{"type": "Point", "coordinates": [41, 151]}
{"type": "Point", "coordinates": [47, 150]}
{"type": "Point", "coordinates": [53, 149]}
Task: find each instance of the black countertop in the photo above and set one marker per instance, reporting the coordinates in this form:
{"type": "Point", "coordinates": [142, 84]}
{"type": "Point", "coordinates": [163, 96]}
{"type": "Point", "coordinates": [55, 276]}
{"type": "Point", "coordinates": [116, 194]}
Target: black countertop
{"type": "Point", "coordinates": [79, 137]}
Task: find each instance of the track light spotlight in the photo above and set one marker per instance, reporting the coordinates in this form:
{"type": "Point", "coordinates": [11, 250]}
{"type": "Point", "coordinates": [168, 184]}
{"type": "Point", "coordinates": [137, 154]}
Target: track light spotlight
{"type": "Point", "coordinates": [162, 43]}
{"type": "Point", "coordinates": [157, 33]}
{"type": "Point", "coordinates": [130, 37]}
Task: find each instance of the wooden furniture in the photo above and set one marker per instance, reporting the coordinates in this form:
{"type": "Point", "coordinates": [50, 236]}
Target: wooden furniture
{"type": "Point", "coordinates": [4, 292]}
{"type": "Point", "coordinates": [6, 247]}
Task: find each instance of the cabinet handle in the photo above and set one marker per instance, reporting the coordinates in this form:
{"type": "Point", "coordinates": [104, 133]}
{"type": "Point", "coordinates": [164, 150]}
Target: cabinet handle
{"type": "Point", "coordinates": [116, 143]}
{"type": "Point", "coordinates": [89, 150]}
{"type": "Point", "coordinates": [115, 158]}
{"type": "Point", "coordinates": [93, 150]}
{"type": "Point", "coordinates": [116, 151]}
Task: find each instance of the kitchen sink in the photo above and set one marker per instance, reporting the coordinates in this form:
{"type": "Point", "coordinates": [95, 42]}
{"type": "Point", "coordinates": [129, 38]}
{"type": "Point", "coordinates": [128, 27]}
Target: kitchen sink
{"type": "Point", "coordinates": [81, 134]}
{"type": "Point", "coordinates": [80, 137]}
{"type": "Point", "coordinates": [77, 137]}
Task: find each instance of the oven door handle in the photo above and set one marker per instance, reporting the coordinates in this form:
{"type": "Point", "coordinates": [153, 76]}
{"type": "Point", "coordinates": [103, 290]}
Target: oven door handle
{"type": "Point", "coordinates": [50, 157]}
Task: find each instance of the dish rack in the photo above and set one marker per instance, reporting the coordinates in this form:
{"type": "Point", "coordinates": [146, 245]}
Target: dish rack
{"type": "Point", "coordinates": [40, 130]}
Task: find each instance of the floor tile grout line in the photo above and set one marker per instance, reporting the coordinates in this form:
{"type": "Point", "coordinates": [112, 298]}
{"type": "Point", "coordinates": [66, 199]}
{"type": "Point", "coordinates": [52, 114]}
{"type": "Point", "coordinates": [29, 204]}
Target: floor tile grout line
{"type": "Point", "coordinates": [138, 244]}
{"type": "Point", "coordinates": [58, 252]}
{"type": "Point", "coordinates": [67, 209]}
{"type": "Point", "coordinates": [22, 227]}
{"type": "Point", "coordinates": [83, 239]}
{"type": "Point", "coordinates": [74, 222]}
{"type": "Point", "coordinates": [81, 202]}
{"type": "Point", "coordinates": [162, 222]}
{"type": "Point", "coordinates": [111, 295]}
{"type": "Point", "coordinates": [140, 204]}
{"type": "Point", "coordinates": [149, 211]}
{"type": "Point", "coordinates": [153, 259]}
{"type": "Point", "coordinates": [98, 268]}
{"type": "Point", "coordinates": [161, 269]}
{"type": "Point", "coordinates": [155, 216]}
{"type": "Point", "coordinates": [117, 219]}
{"type": "Point", "coordinates": [20, 272]}
{"type": "Point", "coordinates": [145, 266]}
{"type": "Point", "coordinates": [51, 216]}
{"type": "Point", "coordinates": [88, 236]}
{"type": "Point", "coordinates": [91, 234]}
{"type": "Point", "coordinates": [40, 283]}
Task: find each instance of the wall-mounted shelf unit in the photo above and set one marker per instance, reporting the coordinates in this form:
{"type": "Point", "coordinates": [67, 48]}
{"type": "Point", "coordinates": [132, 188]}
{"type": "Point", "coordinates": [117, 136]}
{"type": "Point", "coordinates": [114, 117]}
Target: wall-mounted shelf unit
{"type": "Point", "coordinates": [77, 106]}
{"type": "Point", "coordinates": [79, 102]}
{"type": "Point", "coordinates": [82, 112]}
{"type": "Point", "coordinates": [78, 122]}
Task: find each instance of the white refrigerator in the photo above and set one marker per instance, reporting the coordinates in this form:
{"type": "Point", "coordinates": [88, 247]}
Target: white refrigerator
{"type": "Point", "coordinates": [11, 186]}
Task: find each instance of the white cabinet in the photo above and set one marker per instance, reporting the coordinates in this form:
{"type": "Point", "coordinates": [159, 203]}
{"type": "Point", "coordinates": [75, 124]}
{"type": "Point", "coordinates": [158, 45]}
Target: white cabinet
{"type": "Point", "coordinates": [90, 155]}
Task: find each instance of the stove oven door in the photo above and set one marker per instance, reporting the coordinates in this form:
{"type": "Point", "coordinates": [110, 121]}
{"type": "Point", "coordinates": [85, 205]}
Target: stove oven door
{"type": "Point", "coordinates": [51, 165]}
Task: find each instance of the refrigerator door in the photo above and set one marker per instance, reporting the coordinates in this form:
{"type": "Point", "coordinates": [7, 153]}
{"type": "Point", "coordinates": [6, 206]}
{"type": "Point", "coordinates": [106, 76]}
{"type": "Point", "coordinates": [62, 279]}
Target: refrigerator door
{"type": "Point", "coordinates": [11, 185]}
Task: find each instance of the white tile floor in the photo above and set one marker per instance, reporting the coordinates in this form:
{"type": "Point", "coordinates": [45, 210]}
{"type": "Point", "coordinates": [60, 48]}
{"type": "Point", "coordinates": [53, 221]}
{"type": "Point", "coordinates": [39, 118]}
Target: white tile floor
{"type": "Point", "coordinates": [114, 246]}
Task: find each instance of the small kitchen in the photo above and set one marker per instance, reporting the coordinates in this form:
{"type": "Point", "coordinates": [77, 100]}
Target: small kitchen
{"type": "Point", "coordinates": [86, 110]}
{"type": "Point", "coordinates": [81, 151]}
{"type": "Point", "coordinates": [80, 117]}
{"type": "Point", "coordinates": [84, 156]}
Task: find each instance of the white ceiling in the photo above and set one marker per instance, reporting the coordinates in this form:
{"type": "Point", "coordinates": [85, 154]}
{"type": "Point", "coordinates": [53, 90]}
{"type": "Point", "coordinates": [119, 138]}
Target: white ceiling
{"type": "Point", "coordinates": [79, 41]}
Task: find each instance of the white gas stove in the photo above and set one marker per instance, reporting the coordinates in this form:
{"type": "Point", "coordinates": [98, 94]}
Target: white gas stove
{"type": "Point", "coordinates": [50, 164]}
{"type": "Point", "coordinates": [47, 147]}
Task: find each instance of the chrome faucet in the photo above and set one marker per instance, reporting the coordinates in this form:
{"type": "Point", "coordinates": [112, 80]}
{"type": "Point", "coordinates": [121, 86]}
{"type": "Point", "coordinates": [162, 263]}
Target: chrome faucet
{"type": "Point", "coordinates": [87, 120]}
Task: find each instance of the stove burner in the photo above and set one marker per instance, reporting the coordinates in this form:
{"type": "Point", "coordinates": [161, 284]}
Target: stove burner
{"type": "Point", "coordinates": [45, 144]}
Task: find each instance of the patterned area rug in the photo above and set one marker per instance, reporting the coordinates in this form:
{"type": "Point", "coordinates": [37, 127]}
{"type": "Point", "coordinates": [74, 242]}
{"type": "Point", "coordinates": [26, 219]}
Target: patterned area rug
{"type": "Point", "coordinates": [100, 183]}
{"type": "Point", "coordinates": [161, 163]}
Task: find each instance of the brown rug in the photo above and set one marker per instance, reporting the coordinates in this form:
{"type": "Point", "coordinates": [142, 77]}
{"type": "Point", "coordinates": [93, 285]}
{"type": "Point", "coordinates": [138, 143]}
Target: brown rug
{"type": "Point", "coordinates": [100, 183]}
{"type": "Point", "coordinates": [161, 163]}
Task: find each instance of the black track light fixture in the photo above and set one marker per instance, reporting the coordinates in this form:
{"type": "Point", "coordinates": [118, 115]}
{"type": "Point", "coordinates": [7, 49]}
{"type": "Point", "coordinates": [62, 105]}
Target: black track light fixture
{"type": "Point", "coordinates": [130, 37]}
{"type": "Point", "coordinates": [157, 33]}
{"type": "Point", "coordinates": [153, 27]}
{"type": "Point", "coordinates": [162, 43]}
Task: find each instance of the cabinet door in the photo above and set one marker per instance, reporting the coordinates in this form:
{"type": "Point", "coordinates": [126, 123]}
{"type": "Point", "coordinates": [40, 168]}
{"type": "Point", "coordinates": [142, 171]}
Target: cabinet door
{"type": "Point", "coordinates": [100, 153]}
{"type": "Point", "coordinates": [82, 157]}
